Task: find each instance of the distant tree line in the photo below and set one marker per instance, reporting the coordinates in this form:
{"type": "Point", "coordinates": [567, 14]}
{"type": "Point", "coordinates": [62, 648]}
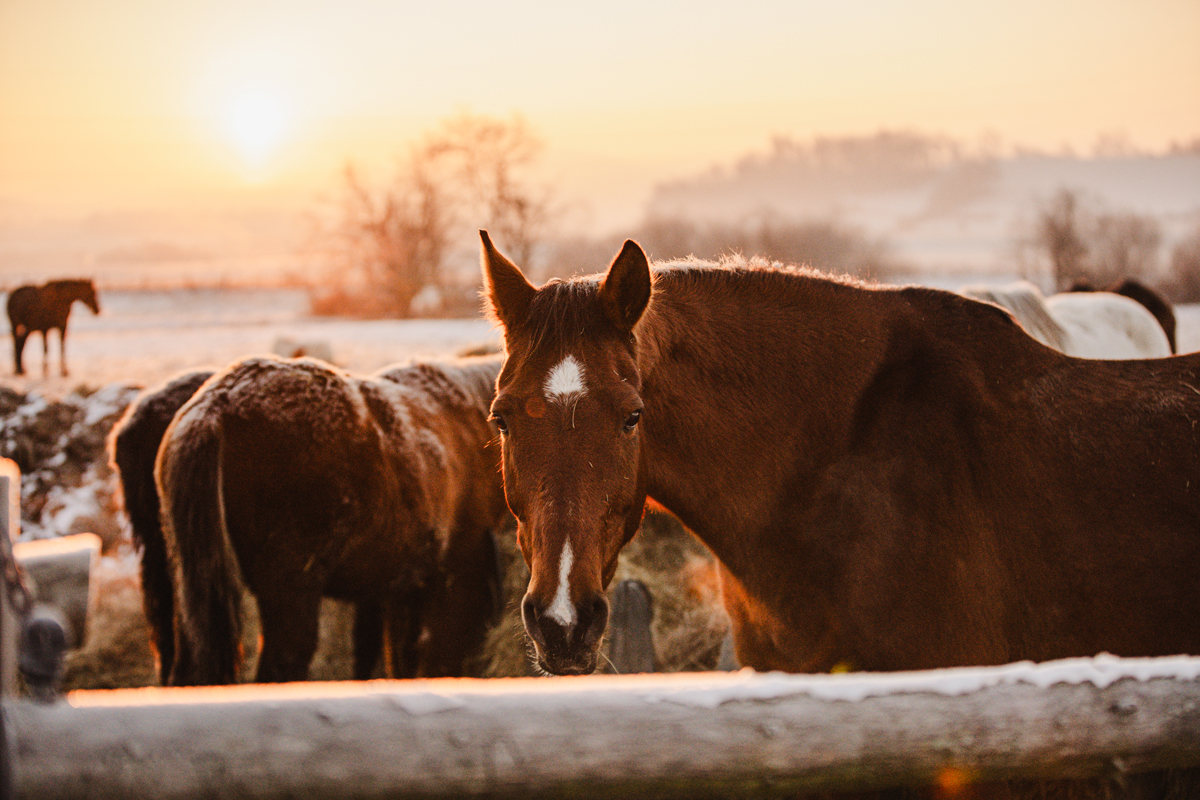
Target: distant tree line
{"type": "Point", "coordinates": [407, 246]}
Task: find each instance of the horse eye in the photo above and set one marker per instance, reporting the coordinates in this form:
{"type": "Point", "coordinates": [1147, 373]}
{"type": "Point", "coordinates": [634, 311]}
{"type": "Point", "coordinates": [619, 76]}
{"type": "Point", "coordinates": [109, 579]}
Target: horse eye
{"type": "Point", "coordinates": [500, 423]}
{"type": "Point", "coordinates": [632, 420]}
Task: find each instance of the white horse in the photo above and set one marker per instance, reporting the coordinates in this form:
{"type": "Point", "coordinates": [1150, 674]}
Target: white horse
{"type": "Point", "coordinates": [1082, 324]}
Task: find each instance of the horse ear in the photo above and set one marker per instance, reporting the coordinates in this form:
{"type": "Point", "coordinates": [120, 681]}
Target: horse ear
{"type": "Point", "coordinates": [509, 293]}
{"type": "Point", "coordinates": [625, 291]}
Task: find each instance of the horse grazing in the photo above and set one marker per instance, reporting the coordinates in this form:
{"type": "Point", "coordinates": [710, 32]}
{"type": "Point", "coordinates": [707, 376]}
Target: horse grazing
{"type": "Point", "coordinates": [132, 447]}
{"type": "Point", "coordinates": [1086, 325]}
{"type": "Point", "coordinates": [299, 481]}
{"type": "Point", "coordinates": [890, 478]}
{"type": "Point", "coordinates": [43, 309]}
{"type": "Point", "coordinates": [1155, 303]}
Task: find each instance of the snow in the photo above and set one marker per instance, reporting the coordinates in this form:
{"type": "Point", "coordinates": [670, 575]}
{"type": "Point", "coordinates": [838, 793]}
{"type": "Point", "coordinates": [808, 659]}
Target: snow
{"type": "Point", "coordinates": [1100, 671]}
{"type": "Point", "coordinates": [145, 337]}
{"type": "Point", "coordinates": [698, 690]}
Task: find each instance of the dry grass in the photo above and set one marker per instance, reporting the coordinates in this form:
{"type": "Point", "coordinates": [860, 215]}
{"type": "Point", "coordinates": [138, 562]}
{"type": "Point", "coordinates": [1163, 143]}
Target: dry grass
{"type": "Point", "coordinates": [689, 622]}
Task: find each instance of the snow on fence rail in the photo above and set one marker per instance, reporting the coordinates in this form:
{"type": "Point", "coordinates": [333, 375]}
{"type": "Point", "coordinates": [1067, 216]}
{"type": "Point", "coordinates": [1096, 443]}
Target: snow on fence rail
{"type": "Point", "coordinates": [682, 735]}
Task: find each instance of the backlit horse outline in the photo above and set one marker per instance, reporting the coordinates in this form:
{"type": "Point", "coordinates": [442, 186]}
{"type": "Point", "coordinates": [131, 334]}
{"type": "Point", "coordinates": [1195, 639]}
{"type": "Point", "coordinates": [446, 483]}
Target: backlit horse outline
{"type": "Point", "coordinates": [42, 309]}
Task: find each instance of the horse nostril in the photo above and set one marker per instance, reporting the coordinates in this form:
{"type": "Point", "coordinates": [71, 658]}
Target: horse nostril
{"type": "Point", "coordinates": [593, 619]}
{"type": "Point", "coordinates": [530, 615]}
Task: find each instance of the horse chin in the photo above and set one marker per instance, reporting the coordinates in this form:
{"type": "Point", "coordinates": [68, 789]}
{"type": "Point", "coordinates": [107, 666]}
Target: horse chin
{"type": "Point", "coordinates": [578, 664]}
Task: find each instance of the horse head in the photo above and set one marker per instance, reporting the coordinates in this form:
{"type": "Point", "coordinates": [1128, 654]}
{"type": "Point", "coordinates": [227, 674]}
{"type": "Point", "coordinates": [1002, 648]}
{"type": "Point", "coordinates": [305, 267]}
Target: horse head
{"type": "Point", "coordinates": [569, 406]}
{"type": "Point", "coordinates": [88, 296]}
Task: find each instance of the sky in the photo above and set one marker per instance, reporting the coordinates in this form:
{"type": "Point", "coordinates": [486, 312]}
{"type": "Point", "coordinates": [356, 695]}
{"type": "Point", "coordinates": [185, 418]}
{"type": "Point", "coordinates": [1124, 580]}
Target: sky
{"type": "Point", "coordinates": [140, 103]}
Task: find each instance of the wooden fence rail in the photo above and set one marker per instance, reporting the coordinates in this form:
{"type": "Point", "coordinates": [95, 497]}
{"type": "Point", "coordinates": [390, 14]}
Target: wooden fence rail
{"type": "Point", "coordinates": [683, 735]}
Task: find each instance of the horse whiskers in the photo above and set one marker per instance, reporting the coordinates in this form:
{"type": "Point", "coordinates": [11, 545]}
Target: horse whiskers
{"type": "Point", "coordinates": [604, 655]}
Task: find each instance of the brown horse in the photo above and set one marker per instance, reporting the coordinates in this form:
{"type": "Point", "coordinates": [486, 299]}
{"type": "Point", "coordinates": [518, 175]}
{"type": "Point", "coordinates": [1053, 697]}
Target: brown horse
{"type": "Point", "coordinates": [891, 478]}
{"type": "Point", "coordinates": [132, 447]}
{"type": "Point", "coordinates": [43, 309]}
{"type": "Point", "coordinates": [299, 481]}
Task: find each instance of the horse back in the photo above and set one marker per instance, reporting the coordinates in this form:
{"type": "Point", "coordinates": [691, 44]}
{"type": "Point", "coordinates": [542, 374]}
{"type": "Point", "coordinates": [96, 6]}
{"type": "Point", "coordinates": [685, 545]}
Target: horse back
{"type": "Point", "coordinates": [434, 418]}
{"type": "Point", "coordinates": [25, 311]}
{"type": "Point", "coordinates": [967, 496]}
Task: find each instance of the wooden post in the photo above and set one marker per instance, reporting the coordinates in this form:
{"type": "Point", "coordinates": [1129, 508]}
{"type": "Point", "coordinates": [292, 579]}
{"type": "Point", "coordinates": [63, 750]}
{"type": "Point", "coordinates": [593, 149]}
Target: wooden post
{"type": "Point", "coordinates": [630, 644]}
{"type": "Point", "coordinates": [683, 735]}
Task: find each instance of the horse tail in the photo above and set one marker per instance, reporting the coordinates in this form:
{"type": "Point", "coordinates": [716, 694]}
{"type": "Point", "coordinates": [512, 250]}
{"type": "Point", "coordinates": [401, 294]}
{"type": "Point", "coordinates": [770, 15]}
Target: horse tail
{"type": "Point", "coordinates": [208, 588]}
{"type": "Point", "coordinates": [132, 447]}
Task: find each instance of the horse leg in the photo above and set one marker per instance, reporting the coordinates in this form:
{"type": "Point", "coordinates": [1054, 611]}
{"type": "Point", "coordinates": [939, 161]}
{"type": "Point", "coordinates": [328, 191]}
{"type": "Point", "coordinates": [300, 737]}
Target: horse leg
{"type": "Point", "coordinates": [45, 353]}
{"type": "Point", "coordinates": [402, 618]}
{"type": "Point", "coordinates": [18, 349]}
{"type": "Point", "coordinates": [62, 350]}
{"type": "Point", "coordinates": [289, 633]}
{"type": "Point", "coordinates": [368, 639]}
{"type": "Point", "coordinates": [459, 608]}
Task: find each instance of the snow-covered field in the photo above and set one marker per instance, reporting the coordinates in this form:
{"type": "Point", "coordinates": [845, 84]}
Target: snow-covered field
{"type": "Point", "coordinates": [144, 337]}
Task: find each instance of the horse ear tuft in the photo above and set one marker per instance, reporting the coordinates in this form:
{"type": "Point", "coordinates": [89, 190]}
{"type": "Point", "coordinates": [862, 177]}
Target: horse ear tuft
{"type": "Point", "coordinates": [625, 291]}
{"type": "Point", "coordinates": [509, 294]}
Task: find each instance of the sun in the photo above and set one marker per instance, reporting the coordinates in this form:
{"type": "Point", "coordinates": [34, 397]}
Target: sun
{"type": "Point", "coordinates": [256, 120]}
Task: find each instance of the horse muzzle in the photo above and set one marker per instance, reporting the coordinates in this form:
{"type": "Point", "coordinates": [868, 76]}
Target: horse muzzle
{"type": "Point", "coordinates": [567, 649]}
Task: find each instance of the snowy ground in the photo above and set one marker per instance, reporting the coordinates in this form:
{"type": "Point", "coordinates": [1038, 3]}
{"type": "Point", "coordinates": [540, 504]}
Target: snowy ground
{"type": "Point", "coordinates": [144, 337]}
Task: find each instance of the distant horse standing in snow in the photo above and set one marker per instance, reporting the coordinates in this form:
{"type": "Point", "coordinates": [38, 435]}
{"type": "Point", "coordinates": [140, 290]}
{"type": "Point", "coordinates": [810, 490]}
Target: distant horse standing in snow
{"type": "Point", "coordinates": [43, 309]}
{"type": "Point", "coordinates": [297, 481]}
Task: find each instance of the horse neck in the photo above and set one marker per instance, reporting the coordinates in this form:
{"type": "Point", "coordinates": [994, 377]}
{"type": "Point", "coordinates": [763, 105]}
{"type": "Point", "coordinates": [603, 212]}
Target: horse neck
{"type": "Point", "coordinates": [728, 411]}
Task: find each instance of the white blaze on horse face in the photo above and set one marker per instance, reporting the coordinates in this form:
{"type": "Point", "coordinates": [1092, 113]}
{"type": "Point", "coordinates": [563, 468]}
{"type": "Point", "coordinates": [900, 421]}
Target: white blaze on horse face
{"type": "Point", "coordinates": [565, 381]}
{"type": "Point", "coordinates": [562, 610]}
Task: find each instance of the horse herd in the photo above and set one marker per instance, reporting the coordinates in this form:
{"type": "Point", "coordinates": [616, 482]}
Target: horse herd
{"type": "Point", "coordinates": [890, 478]}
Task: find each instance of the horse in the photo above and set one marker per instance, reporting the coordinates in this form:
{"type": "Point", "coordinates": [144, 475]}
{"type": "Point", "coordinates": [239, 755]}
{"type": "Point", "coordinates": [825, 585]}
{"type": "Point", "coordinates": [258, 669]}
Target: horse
{"type": "Point", "coordinates": [297, 480]}
{"type": "Point", "coordinates": [890, 478]}
{"type": "Point", "coordinates": [1086, 325]}
{"type": "Point", "coordinates": [1155, 303]}
{"type": "Point", "coordinates": [43, 309]}
{"type": "Point", "coordinates": [132, 447]}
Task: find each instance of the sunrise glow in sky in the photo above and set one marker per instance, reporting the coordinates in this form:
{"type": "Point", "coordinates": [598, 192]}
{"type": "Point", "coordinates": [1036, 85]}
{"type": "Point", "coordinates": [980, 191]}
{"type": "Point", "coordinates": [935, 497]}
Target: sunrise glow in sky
{"type": "Point", "coordinates": [136, 101]}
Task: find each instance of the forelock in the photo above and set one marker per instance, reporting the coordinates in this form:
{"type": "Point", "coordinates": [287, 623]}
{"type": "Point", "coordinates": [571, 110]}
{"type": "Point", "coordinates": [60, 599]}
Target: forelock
{"type": "Point", "coordinates": [562, 310]}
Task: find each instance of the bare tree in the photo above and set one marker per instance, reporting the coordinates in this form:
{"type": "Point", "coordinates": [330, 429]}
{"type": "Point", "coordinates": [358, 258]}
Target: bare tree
{"type": "Point", "coordinates": [1059, 233]}
{"type": "Point", "coordinates": [486, 157]}
{"type": "Point", "coordinates": [1124, 246]}
{"type": "Point", "coordinates": [465, 175]}
{"type": "Point", "coordinates": [1184, 282]}
{"type": "Point", "coordinates": [398, 236]}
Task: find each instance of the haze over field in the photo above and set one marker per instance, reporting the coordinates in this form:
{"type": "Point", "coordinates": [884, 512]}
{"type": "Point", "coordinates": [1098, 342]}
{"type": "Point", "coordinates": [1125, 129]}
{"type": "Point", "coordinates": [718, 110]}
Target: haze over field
{"type": "Point", "coordinates": [199, 139]}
